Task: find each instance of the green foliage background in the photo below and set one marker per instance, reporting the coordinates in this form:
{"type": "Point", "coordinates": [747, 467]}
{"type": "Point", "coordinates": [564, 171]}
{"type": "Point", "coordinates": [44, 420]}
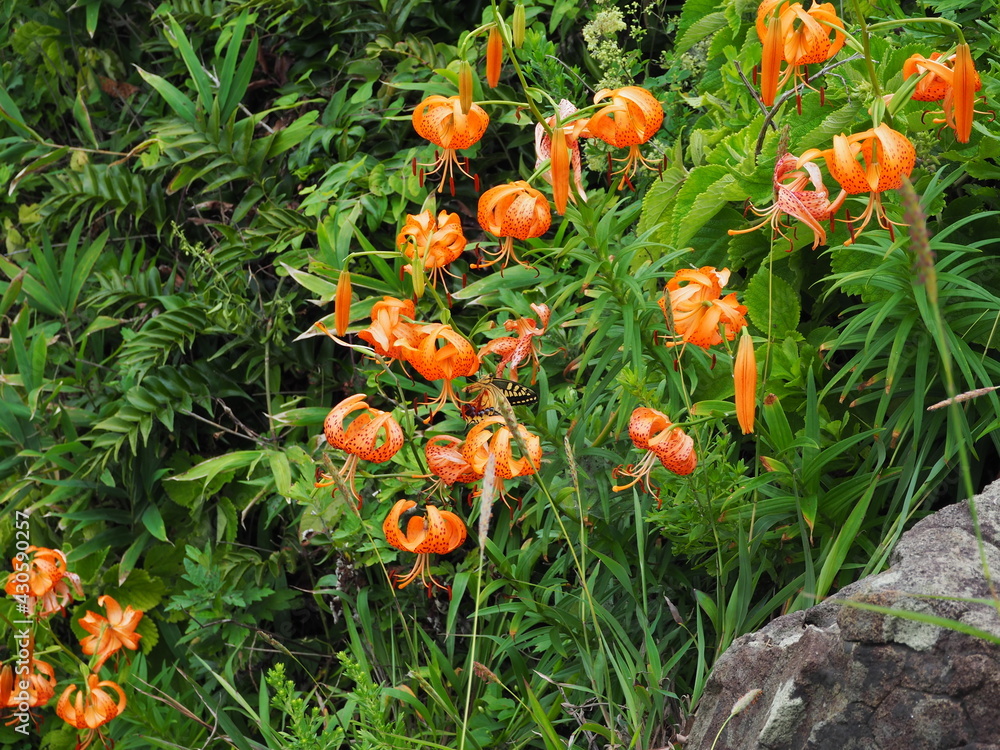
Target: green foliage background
{"type": "Point", "coordinates": [185, 182]}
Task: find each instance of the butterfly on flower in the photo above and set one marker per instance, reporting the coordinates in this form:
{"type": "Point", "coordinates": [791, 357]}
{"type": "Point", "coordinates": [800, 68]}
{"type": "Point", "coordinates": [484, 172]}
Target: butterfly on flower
{"type": "Point", "coordinates": [493, 395]}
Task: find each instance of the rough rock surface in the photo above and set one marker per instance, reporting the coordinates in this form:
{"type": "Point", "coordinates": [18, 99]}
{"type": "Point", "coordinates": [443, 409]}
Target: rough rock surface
{"type": "Point", "coordinates": [836, 677]}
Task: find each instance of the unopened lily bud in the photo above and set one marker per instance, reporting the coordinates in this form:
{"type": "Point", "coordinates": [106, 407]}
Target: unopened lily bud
{"type": "Point", "coordinates": [342, 303]}
{"type": "Point", "coordinates": [517, 26]}
{"type": "Point", "coordinates": [560, 170]}
{"type": "Point", "coordinates": [465, 86]}
{"type": "Point", "coordinates": [494, 57]}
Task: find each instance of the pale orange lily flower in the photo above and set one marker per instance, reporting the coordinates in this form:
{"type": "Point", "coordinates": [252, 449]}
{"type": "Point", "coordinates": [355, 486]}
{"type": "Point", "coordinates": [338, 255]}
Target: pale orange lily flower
{"type": "Point", "coordinates": [93, 708]}
{"type": "Point", "coordinates": [652, 431]}
{"type": "Point", "coordinates": [745, 380]}
{"type": "Point", "coordinates": [697, 308]}
{"type": "Point", "coordinates": [515, 210]}
{"type": "Point", "coordinates": [886, 156]}
{"type": "Point", "coordinates": [391, 327]}
{"type": "Point", "coordinates": [514, 351]}
{"type": "Point", "coordinates": [435, 532]}
{"type": "Point", "coordinates": [572, 132]}
{"type": "Point", "coordinates": [441, 121]}
{"type": "Point", "coordinates": [632, 118]}
{"type": "Point", "coordinates": [45, 569]}
{"type": "Point", "coordinates": [808, 206]}
{"type": "Point", "coordinates": [41, 687]}
{"type": "Point", "coordinates": [111, 633]}
{"type": "Point", "coordinates": [433, 244]}
{"type": "Point", "coordinates": [456, 358]}
{"type": "Point", "coordinates": [373, 435]}
{"type": "Point", "coordinates": [46, 587]}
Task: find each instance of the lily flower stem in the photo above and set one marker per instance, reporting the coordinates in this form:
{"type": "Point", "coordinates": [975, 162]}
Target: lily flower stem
{"type": "Point", "coordinates": [903, 21]}
{"type": "Point", "coordinates": [505, 36]}
{"type": "Point", "coordinates": [866, 46]}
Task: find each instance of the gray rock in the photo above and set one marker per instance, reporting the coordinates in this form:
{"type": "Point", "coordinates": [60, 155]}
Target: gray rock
{"type": "Point", "coordinates": [835, 677]}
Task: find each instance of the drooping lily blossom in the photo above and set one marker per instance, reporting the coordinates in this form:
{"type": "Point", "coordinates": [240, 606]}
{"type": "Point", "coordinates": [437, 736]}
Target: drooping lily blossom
{"type": "Point", "coordinates": [885, 157]}
{"type": "Point", "coordinates": [93, 707]}
{"type": "Point", "coordinates": [47, 585]}
{"type": "Point", "coordinates": [431, 244]}
{"type": "Point", "coordinates": [936, 76]}
{"type": "Point", "coordinates": [558, 177]}
{"type": "Point", "coordinates": [373, 435]}
{"type": "Point", "coordinates": [652, 431]}
{"type": "Point", "coordinates": [802, 37]}
{"type": "Point", "coordinates": [434, 532]}
{"type": "Point", "coordinates": [745, 381]}
{"type": "Point", "coordinates": [441, 121]}
{"type": "Point", "coordinates": [41, 684]}
{"type": "Point", "coordinates": [446, 462]}
{"type": "Point", "coordinates": [111, 633]}
{"type": "Point", "coordinates": [515, 210]}
{"type": "Point", "coordinates": [631, 119]}
{"type": "Point", "coordinates": [492, 435]}
{"type": "Point", "coordinates": [392, 326]}
{"type": "Point", "coordinates": [808, 206]}
{"type": "Point", "coordinates": [698, 310]}
{"type": "Point", "coordinates": [514, 351]}
{"type": "Point", "coordinates": [954, 81]}
{"type": "Point", "coordinates": [454, 358]}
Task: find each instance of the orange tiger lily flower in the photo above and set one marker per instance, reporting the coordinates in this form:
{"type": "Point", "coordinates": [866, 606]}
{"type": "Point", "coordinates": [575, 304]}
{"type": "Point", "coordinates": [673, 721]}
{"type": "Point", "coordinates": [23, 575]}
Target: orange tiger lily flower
{"type": "Point", "coordinates": [808, 206]}
{"type": "Point", "coordinates": [482, 441]}
{"type": "Point", "coordinates": [362, 437]}
{"type": "Point", "coordinates": [432, 244]}
{"type": "Point", "coordinates": [632, 118]}
{"type": "Point", "coordinates": [494, 57]}
{"type": "Point", "coordinates": [435, 532]}
{"type": "Point", "coordinates": [456, 358]}
{"type": "Point", "coordinates": [391, 327]}
{"type": "Point", "coordinates": [652, 431]}
{"type": "Point", "coordinates": [111, 633]}
{"type": "Point", "coordinates": [46, 567]}
{"type": "Point", "coordinates": [956, 86]}
{"type": "Point", "coordinates": [745, 379]}
{"type": "Point", "coordinates": [571, 134]}
{"type": "Point", "coordinates": [798, 36]}
{"type": "Point", "coordinates": [514, 351]}
{"type": "Point", "coordinates": [936, 76]}
{"type": "Point", "coordinates": [697, 308]}
{"type": "Point", "coordinates": [515, 210]}
{"type": "Point", "coordinates": [886, 155]}
{"type": "Point", "coordinates": [49, 586]}
{"type": "Point", "coordinates": [41, 688]}
{"type": "Point", "coordinates": [446, 462]}
{"type": "Point", "coordinates": [93, 708]}
{"type": "Point", "coordinates": [440, 120]}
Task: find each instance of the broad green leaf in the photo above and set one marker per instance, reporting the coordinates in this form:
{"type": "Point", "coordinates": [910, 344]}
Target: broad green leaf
{"type": "Point", "coordinates": [772, 304]}
{"type": "Point", "coordinates": [700, 29]}
{"type": "Point", "coordinates": [180, 104]}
